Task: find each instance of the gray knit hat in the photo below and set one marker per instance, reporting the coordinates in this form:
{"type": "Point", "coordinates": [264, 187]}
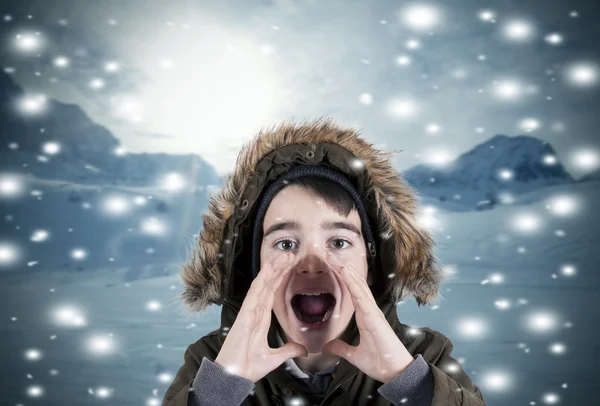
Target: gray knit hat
{"type": "Point", "coordinates": [299, 172]}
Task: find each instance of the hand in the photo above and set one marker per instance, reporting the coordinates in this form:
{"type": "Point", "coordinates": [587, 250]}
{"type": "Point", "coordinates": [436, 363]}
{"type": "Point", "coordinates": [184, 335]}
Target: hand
{"type": "Point", "coordinates": [245, 351]}
{"type": "Point", "coordinates": [380, 353]}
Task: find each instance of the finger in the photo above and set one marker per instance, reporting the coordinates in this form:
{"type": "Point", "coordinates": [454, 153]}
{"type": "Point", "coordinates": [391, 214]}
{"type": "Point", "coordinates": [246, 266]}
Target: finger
{"type": "Point", "coordinates": [339, 348]}
{"type": "Point", "coordinates": [269, 293]}
{"type": "Point", "coordinates": [361, 298]}
{"type": "Point", "coordinates": [257, 287]}
{"type": "Point", "coordinates": [288, 351]}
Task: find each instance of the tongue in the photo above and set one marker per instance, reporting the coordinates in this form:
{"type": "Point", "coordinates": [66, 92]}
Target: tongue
{"type": "Point", "coordinates": [312, 305]}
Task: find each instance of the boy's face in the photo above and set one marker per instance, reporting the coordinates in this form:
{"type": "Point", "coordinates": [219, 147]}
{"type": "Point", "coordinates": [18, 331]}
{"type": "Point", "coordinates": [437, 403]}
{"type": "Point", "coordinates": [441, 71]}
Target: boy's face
{"type": "Point", "coordinates": [308, 228]}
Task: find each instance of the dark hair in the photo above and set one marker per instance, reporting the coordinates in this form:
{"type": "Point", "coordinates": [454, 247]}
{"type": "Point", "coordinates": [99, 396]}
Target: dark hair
{"type": "Point", "coordinates": [333, 194]}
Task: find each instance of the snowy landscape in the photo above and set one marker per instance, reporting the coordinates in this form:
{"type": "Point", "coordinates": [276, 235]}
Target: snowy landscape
{"type": "Point", "coordinates": [117, 124]}
{"type": "Point", "coordinates": [91, 291]}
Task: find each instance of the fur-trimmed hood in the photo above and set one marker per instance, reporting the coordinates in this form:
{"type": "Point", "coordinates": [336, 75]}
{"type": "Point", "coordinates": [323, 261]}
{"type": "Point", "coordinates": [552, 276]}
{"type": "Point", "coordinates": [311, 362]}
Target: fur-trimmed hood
{"type": "Point", "coordinates": [218, 268]}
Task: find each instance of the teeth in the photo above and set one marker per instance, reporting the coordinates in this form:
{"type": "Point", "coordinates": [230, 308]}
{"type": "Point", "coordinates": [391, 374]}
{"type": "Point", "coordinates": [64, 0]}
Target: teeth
{"type": "Point", "coordinates": [313, 293]}
{"type": "Point", "coordinates": [328, 313]}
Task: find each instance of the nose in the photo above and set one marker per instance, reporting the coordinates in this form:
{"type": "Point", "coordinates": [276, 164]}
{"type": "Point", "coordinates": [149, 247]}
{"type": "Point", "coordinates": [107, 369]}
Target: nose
{"type": "Point", "coordinates": [311, 260]}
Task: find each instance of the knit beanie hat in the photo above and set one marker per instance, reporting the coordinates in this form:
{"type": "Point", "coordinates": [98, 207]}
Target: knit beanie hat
{"type": "Point", "coordinates": [299, 172]}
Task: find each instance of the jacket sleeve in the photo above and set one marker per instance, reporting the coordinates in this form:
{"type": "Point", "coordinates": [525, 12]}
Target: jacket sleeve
{"type": "Point", "coordinates": [414, 386]}
{"type": "Point", "coordinates": [452, 386]}
{"type": "Point", "coordinates": [214, 386]}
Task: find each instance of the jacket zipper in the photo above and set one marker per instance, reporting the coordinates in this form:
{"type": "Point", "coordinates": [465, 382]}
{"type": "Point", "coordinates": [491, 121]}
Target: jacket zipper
{"type": "Point", "coordinates": [337, 386]}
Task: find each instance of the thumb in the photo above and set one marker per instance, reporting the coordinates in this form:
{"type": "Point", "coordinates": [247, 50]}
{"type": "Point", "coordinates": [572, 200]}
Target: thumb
{"type": "Point", "coordinates": [339, 348]}
{"type": "Point", "coordinates": [291, 350]}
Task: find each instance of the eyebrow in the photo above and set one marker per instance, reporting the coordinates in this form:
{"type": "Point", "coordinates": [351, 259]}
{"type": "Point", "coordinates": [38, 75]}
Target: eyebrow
{"type": "Point", "coordinates": [325, 225]}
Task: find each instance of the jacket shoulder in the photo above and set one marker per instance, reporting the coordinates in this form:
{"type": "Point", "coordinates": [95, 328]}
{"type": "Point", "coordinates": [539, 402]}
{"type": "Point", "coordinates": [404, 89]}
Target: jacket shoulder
{"type": "Point", "coordinates": [428, 342]}
{"type": "Point", "coordinates": [207, 346]}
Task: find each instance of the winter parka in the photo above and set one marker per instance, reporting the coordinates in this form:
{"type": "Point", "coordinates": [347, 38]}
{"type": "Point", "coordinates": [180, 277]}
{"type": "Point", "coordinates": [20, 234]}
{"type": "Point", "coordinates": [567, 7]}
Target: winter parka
{"type": "Point", "coordinates": [218, 269]}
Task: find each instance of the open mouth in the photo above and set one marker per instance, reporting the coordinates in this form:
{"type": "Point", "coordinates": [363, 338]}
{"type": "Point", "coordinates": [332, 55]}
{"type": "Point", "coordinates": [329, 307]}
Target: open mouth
{"type": "Point", "coordinates": [313, 309]}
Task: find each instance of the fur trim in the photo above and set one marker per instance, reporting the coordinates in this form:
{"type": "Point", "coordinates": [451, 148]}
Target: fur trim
{"type": "Point", "coordinates": [412, 269]}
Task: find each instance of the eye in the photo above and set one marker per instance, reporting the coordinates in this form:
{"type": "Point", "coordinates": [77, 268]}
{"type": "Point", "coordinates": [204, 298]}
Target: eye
{"type": "Point", "coordinates": [284, 241]}
{"type": "Point", "coordinates": [342, 240]}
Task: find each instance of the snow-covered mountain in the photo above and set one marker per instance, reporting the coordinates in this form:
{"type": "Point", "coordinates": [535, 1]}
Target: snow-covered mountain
{"type": "Point", "coordinates": [89, 153]}
{"type": "Point", "coordinates": [495, 171]}
{"type": "Point", "coordinates": [91, 206]}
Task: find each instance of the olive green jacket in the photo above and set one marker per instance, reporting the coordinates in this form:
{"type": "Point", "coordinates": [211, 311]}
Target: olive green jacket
{"type": "Point", "coordinates": [218, 269]}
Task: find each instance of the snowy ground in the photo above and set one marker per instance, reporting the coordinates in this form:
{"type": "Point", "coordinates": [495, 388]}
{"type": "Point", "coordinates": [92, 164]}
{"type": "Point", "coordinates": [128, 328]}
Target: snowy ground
{"type": "Point", "coordinates": [502, 279]}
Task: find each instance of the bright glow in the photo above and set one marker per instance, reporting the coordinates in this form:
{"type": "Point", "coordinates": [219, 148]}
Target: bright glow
{"type": "Point", "coordinates": [496, 381]}
{"type": "Point", "coordinates": [28, 42]}
{"type": "Point", "coordinates": [69, 316]}
{"type": "Point", "coordinates": [11, 186]}
{"type": "Point", "coordinates": [487, 15]}
{"type": "Point", "coordinates": [216, 84]}
{"type": "Point", "coordinates": [582, 74]}
{"type": "Point", "coordinates": [111, 67]}
{"type": "Point", "coordinates": [550, 160]}
{"type": "Point", "coordinates": [32, 104]}
{"type": "Point", "coordinates": [557, 348]}
{"type": "Point", "coordinates": [586, 159]}
{"type": "Point", "coordinates": [472, 328]}
{"type": "Point", "coordinates": [402, 108]}
{"type": "Point", "coordinates": [35, 391]}
{"type": "Point", "coordinates": [166, 64]}
{"type": "Point", "coordinates": [173, 182]}
{"type": "Point", "coordinates": [529, 124]}
{"type": "Point", "coordinates": [550, 398]}
{"type": "Point", "coordinates": [496, 278]}
{"type": "Point", "coordinates": [554, 38]}
{"type": "Point", "coordinates": [79, 254]}
{"type": "Point", "coordinates": [153, 305]}
{"type": "Point", "coordinates": [563, 205]}
{"type": "Point", "coordinates": [165, 378]}
{"type": "Point", "coordinates": [128, 108]}
{"type": "Point", "coordinates": [508, 89]}
{"type": "Point", "coordinates": [153, 226]}
{"type": "Point", "coordinates": [527, 222]}
{"type": "Point", "coordinates": [433, 128]}
{"type": "Point", "coordinates": [541, 322]}
{"type": "Point", "coordinates": [427, 218]}
{"type": "Point", "coordinates": [403, 60]}
{"type": "Point", "coordinates": [420, 17]}
{"type": "Point", "coordinates": [439, 157]}
{"type": "Point", "coordinates": [502, 304]}
{"type": "Point", "coordinates": [51, 148]}
{"type": "Point", "coordinates": [96, 83]}
{"type": "Point", "coordinates": [9, 254]}
{"type": "Point", "coordinates": [61, 62]}
{"type": "Point", "coordinates": [117, 205]}
{"type": "Point", "coordinates": [140, 201]}
{"type": "Point", "coordinates": [357, 164]}
{"type": "Point", "coordinates": [413, 44]}
{"type": "Point", "coordinates": [101, 344]}
{"type": "Point", "coordinates": [103, 392]}
{"type": "Point", "coordinates": [519, 30]}
{"type": "Point", "coordinates": [366, 98]}
{"type": "Point", "coordinates": [506, 198]}
{"type": "Point", "coordinates": [505, 174]}
{"type": "Point", "coordinates": [39, 236]}
{"type": "Point", "coordinates": [33, 354]}
{"type": "Point", "coordinates": [568, 270]}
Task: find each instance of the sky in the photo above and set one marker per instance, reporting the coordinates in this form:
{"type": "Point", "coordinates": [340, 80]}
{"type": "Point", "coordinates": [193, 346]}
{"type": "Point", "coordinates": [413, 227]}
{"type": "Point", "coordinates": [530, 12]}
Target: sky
{"type": "Point", "coordinates": [432, 79]}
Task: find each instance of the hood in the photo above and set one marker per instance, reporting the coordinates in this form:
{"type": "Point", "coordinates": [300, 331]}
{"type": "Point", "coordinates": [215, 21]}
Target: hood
{"type": "Point", "coordinates": [218, 267]}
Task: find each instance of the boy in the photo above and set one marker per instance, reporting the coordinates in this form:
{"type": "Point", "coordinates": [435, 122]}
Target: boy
{"type": "Point", "coordinates": [307, 320]}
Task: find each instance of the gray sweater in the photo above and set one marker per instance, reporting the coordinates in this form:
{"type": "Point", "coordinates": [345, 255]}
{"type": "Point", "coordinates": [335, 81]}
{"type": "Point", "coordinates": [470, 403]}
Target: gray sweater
{"type": "Point", "coordinates": [214, 386]}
